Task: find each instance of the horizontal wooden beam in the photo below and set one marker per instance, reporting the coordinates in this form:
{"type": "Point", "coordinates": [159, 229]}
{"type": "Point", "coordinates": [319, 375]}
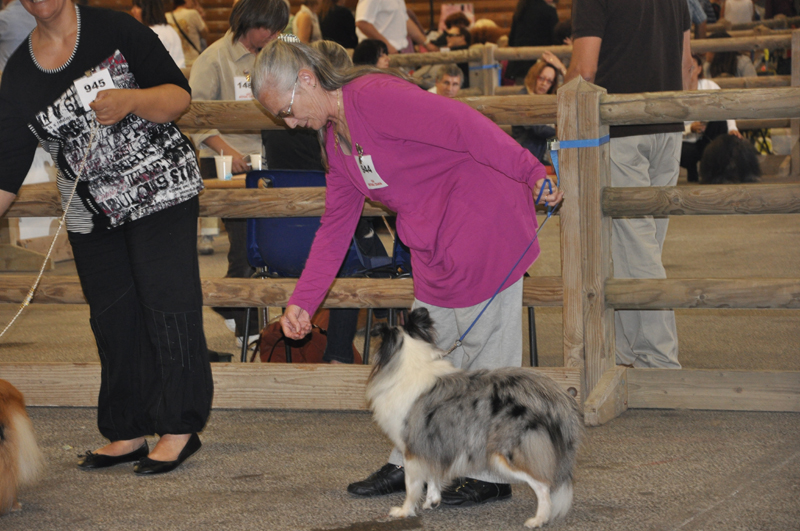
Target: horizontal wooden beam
{"type": "Point", "coordinates": [723, 82]}
{"type": "Point", "coordinates": [236, 385]}
{"type": "Point", "coordinates": [723, 199]}
{"type": "Point", "coordinates": [753, 82]}
{"type": "Point", "coordinates": [515, 109]}
{"type": "Point", "coordinates": [779, 22]}
{"type": "Point", "coordinates": [615, 109]}
{"type": "Point", "coordinates": [750, 43]}
{"type": "Point", "coordinates": [659, 294]}
{"type": "Point", "coordinates": [228, 116]}
{"type": "Point", "coordinates": [762, 124]}
{"type": "Point", "coordinates": [243, 293]}
{"type": "Point", "coordinates": [531, 53]}
{"type": "Point", "coordinates": [43, 200]}
{"type": "Point", "coordinates": [703, 105]}
{"type": "Point", "coordinates": [714, 389]}
{"type": "Point", "coordinates": [435, 58]}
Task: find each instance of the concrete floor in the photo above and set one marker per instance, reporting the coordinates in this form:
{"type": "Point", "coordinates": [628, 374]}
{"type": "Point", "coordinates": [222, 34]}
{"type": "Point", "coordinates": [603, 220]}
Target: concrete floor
{"type": "Point", "coordinates": [698, 470]}
{"type": "Point", "coordinates": [279, 470]}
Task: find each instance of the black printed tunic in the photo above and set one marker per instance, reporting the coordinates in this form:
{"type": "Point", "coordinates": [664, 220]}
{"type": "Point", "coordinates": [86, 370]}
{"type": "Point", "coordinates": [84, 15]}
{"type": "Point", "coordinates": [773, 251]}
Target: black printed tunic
{"type": "Point", "coordinates": [134, 167]}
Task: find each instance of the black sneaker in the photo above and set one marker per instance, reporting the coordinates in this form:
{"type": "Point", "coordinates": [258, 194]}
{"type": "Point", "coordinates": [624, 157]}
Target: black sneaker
{"type": "Point", "coordinates": [466, 492]}
{"type": "Point", "coordinates": [390, 478]}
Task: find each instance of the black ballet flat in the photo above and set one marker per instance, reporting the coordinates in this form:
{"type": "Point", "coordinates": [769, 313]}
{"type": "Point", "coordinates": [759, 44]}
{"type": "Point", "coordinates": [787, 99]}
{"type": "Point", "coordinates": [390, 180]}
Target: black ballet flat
{"type": "Point", "coordinates": [92, 460]}
{"type": "Point", "coordinates": [151, 467]}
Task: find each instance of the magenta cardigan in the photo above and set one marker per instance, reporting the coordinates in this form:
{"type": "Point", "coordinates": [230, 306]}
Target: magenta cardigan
{"type": "Point", "coordinates": [461, 187]}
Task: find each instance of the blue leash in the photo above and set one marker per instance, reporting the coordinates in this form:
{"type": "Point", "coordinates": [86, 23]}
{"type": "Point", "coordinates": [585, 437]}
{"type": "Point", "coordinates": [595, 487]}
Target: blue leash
{"type": "Point", "coordinates": [553, 146]}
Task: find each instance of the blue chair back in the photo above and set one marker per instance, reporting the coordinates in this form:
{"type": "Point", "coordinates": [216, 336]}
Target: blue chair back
{"type": "Point", "coordinates": [282, 245]}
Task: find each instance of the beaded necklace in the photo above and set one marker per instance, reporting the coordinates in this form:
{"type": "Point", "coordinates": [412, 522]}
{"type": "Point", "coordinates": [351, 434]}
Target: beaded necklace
{"type": "Point", "coordinates": [71, 57]}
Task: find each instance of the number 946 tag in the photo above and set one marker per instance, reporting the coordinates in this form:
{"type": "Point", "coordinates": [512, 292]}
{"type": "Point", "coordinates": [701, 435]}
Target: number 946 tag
{"type": "Point", "coordinates": [89, 85]}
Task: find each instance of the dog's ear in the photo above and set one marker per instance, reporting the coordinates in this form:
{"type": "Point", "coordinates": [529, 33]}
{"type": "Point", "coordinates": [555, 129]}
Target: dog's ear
{"type": "Point", "coordinates": [391, 343]}
{"type": "Point", "coordinates": [420, 326]}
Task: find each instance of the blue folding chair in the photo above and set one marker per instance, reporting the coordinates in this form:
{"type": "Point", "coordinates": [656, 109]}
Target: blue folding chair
{"type": "Point", "coordinates": [279, 247]}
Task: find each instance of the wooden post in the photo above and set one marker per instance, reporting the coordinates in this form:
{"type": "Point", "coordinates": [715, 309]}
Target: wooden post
{"type": "Point", "coordinates": [476, 76]}
{"type": "Point", "coordinates": [570, 218]}
{"type": "Point", "coordinates": [586, 253]}
{"type": "Point", "coordinates": [489, 74]}
{"type": "Point", "coordinates": [795, 170]}
{"type": "Point", "coordinates": [595, 175]}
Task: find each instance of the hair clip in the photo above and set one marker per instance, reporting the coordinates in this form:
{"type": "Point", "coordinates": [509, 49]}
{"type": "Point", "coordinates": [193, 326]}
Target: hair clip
{"type": "Point", "coordinates": [288, 37]}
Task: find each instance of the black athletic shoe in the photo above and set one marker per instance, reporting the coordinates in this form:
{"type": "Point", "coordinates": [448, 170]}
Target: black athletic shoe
{"type": "Point", "coordinates": [390, 478]}
{"type": "Point", "coordinates": [466, 492]}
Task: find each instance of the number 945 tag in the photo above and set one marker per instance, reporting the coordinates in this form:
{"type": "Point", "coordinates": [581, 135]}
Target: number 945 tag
{"type": "Point", "coordinates": [89, 85]}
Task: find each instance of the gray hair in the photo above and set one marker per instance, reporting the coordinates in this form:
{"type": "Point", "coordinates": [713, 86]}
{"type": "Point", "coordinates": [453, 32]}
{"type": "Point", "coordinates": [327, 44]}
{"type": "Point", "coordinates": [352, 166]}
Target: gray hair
{"type": "Point", "coordinates": [450, 69]}
{"type": "Point", "coordinates": [279, 63]}
{"type": "Point", "coordinates": [335, 53]}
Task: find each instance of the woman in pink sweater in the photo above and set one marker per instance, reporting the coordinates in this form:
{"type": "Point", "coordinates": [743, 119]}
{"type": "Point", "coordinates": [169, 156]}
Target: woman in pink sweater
{"type": "Point", "coordinates": [462, 190]}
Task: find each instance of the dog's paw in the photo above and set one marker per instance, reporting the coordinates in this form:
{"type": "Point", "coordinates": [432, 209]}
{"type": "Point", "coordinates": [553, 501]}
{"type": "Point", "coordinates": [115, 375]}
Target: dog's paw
{"type": "Point", "coordinates": [431, 502]}
{"type": "Point", "coordinates": [535, 522]}
{"type": "Point", "coordinates": [400, 512]}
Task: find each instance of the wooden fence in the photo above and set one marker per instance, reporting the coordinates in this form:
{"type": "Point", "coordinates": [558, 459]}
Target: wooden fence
{"type": "Point", "coordinates": [485, 60]}
{"type": "Point", "coordinates": [586, 290]}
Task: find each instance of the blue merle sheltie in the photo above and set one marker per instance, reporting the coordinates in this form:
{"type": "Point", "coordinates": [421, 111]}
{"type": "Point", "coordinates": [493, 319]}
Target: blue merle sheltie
{"type": "Point", "coordinates": [515, 423]}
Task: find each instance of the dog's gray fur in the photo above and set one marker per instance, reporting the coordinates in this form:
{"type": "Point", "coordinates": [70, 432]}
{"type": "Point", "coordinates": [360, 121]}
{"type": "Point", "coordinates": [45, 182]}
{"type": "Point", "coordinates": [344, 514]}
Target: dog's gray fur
{"type": "Point", "coordinates": [516, 423]}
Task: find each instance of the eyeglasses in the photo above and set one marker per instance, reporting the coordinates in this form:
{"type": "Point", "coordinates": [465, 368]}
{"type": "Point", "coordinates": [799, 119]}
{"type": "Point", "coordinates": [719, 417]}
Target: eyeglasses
{"type": "Point", "coordinates": [288, 112]}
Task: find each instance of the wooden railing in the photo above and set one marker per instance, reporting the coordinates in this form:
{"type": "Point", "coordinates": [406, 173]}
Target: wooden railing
{"type": "Point", "coordinates": [586, 290]}
{"type": "Point", "coordinates": [591, 294]}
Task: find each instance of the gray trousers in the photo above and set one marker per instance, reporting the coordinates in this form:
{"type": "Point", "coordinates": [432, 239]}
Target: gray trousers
{"type": "Point", "coordinates": [495, 341]}
{"type": "Point", "coordinates": [644, 338]}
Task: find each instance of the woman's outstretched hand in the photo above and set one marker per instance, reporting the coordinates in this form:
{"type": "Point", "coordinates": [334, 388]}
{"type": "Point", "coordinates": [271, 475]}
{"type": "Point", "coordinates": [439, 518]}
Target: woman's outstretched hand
{"type": "Point", "coordinates": [295, 322]}
{"type": "Point", "coordinates": [552, 195]}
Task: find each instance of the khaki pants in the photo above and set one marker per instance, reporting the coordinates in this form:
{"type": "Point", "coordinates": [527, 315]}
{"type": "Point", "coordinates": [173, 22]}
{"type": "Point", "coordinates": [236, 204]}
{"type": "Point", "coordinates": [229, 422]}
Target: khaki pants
{"type": "Point", "coordinates": [644, 338]}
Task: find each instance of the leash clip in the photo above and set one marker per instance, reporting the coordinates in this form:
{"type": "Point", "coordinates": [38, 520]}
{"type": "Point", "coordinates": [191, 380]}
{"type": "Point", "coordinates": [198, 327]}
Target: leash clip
{"type": "Point", "coordinates": [455, 346]}
{"type": "Point", "coordinates": [553, 144]}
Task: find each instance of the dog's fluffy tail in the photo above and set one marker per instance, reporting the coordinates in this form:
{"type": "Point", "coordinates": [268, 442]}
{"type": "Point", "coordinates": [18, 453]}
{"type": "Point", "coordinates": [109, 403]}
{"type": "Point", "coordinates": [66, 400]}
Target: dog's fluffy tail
{"type": "Point", "coordinates": [561, 500]}
{"type": "Point", "coordinates": [21, 461]}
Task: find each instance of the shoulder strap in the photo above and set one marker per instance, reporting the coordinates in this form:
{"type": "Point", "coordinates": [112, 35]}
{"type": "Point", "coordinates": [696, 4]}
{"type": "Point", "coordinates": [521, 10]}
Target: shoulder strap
{"type": "Point", "coordinates": [175, 20]}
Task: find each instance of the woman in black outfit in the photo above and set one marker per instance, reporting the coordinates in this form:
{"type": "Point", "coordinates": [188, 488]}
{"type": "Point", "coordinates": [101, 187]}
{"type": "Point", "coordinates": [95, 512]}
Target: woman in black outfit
{"type": "Point", "coordinates": [132, 223]}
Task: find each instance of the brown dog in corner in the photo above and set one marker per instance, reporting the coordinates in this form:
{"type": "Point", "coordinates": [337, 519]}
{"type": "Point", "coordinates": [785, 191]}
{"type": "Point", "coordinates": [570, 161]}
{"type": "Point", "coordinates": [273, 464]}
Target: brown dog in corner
{"type": "Point", "coordinates": [20, 457]}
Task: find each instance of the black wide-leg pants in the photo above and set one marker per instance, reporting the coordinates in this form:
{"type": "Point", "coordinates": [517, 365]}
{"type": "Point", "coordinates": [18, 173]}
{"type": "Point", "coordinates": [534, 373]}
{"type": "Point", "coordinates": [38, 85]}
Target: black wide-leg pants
{"type": "Point", "coordinates": [142, 282]}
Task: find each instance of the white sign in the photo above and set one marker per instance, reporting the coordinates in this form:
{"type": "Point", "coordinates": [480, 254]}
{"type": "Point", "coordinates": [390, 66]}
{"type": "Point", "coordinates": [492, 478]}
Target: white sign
{"type": "Point", "coordinates": [243, 88]}
{"type": "Point", "coordinates": [89, 86]}
{"type": "Point", "coordinates": [369, 173]}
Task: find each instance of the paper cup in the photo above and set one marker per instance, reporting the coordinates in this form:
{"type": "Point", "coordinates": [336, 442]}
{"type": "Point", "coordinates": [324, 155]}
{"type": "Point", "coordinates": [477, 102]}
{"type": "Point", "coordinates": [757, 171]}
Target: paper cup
{"type": "Point", "coordinates": [224, 165]}
{"type": "Point", "coordinates": [255, 161]}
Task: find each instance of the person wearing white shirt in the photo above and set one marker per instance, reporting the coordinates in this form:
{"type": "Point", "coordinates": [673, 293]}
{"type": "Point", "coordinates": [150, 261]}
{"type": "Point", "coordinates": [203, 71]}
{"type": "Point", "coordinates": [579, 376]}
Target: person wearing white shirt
{"type": "Point", "coordinates": [738, 11]}
{"type": "Point", "coordinates": [388, 21]}
{"type": "Point", "coordinates": [151, 14]}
